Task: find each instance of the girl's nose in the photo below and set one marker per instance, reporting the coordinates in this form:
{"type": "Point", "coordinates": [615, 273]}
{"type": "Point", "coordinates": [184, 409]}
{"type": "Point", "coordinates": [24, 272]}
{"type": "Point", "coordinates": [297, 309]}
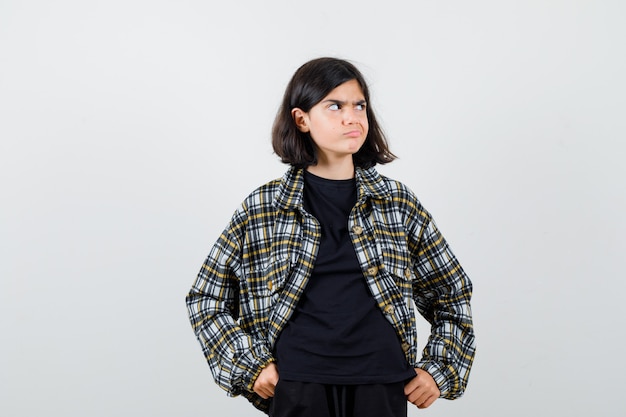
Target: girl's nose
{"type": "Point", "coordinates": [350, 116]}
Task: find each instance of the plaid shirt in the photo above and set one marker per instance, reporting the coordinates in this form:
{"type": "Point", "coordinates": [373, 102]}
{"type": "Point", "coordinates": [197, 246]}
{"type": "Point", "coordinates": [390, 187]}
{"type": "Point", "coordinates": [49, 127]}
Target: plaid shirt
{"type": "Point", "coordinates": [255, 273]}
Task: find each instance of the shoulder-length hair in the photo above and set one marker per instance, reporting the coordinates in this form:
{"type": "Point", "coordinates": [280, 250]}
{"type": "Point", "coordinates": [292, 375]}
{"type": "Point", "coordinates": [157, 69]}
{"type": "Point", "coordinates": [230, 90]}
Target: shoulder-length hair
{"type": "Point", "coordinates": [309, 85]}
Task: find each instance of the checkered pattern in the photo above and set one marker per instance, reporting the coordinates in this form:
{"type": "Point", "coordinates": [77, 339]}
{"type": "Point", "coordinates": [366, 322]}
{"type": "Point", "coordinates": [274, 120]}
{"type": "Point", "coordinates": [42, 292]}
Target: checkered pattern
{"type": "Point", "coordinates": [255, 273]}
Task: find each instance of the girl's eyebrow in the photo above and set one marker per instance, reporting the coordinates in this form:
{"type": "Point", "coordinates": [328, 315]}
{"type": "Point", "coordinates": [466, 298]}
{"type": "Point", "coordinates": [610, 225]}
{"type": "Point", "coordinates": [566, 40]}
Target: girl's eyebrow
{"type": "Point", "coordinates": [343, 103]}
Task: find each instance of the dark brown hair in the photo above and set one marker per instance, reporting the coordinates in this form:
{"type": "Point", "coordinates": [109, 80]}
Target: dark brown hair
{"type": "Point", "coordinates": [309, 85]}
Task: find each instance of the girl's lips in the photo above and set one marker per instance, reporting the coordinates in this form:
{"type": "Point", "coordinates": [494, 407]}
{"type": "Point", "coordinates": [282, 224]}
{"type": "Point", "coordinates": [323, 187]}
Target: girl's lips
{"type": "Point", "coordinates": [353, 134]}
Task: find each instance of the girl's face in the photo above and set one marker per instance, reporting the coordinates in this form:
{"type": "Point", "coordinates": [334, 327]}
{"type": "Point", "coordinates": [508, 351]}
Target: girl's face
{"type": "Point", "coordinates": [338, 124]}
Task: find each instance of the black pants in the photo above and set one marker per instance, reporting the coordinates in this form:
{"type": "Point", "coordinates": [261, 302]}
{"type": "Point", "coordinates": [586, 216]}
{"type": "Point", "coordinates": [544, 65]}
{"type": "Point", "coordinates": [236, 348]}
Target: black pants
{"type": "Point", "coordinates": [305, 399]}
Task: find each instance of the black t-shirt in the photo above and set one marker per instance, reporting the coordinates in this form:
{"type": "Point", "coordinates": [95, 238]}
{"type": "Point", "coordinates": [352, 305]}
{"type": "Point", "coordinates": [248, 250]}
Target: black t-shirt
{"type": "Point", "coordinates": [337, 334]}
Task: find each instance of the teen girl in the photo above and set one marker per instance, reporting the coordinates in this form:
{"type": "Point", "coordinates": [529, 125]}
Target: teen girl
{"type": "Point", "coordinates": [304, 305]}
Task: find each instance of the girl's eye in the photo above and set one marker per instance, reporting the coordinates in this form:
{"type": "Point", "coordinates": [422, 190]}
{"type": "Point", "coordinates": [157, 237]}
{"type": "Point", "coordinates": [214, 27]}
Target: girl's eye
{"type": "Point", "coordinates": [360, 106]}
{"type": "Point", "coordinates": [334, 106]}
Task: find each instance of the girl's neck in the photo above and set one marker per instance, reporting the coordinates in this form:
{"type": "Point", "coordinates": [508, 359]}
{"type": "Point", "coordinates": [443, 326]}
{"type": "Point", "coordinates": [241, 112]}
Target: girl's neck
{"type": "Point", "coordinates": [338, 170]}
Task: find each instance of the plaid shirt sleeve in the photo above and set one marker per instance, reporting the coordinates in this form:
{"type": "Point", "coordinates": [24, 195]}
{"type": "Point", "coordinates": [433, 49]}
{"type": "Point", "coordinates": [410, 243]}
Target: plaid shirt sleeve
{"type": "Point", "coordinates": [235, 357]}
{"type": "Point", "coordinates": [442, 293]}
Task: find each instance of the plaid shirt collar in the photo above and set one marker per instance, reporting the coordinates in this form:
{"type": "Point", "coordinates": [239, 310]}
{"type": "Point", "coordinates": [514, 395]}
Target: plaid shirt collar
{"type": "Point", "coordinates": [289, 195]}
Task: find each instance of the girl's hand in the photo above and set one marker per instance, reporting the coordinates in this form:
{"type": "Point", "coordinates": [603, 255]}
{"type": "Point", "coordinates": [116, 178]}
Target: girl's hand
{"type": "Point", "coordinates": [422, 390]}
{"type": "Point", "coordinates": [266, 381]}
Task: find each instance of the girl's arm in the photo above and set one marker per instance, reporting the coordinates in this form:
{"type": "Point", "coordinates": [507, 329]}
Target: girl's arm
{"type": "Point", "coordinates": [235, 358]}
{"type": "Point", "coordinates": [442, 293]}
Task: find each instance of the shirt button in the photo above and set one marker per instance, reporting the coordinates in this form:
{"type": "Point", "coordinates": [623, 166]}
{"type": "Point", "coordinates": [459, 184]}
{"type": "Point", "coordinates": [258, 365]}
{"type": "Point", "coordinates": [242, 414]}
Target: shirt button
{"type": "Point", "coordinates": [357, 230]}
{"type": "Point", "coordinates": [388, 309]}
{"type": "Point", "coordinates": [372, 271]}
{"type": "Point", "coordinates": [270, 285]}
{"type": "Point", "coordinates": [407, 273]}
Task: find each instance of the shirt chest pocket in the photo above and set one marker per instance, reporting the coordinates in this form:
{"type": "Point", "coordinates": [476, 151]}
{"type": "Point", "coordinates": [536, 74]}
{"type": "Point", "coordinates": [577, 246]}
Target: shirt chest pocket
{"type": "Point", "coordinates": [268, 280]}
{"type": "Point", "coordinates": [397, 262]}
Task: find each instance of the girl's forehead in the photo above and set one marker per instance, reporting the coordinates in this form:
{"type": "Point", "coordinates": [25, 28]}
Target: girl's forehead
{"type": "Point", "coordinates": [350, 87]}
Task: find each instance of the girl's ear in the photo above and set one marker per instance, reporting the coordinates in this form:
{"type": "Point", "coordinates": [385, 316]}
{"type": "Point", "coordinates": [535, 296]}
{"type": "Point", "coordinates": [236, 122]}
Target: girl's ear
{"type": "Point", "coordinates": [300, 119]}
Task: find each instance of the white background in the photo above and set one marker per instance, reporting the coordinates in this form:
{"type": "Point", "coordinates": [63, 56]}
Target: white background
{"type": "Point", "coordinates": [130, 131]}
